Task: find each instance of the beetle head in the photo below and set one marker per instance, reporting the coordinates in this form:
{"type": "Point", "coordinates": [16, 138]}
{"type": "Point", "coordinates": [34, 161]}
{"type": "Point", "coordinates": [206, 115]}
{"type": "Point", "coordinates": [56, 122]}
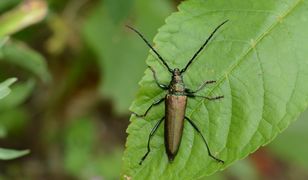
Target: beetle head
{"type": "Point", "coordinates": [176, 72]}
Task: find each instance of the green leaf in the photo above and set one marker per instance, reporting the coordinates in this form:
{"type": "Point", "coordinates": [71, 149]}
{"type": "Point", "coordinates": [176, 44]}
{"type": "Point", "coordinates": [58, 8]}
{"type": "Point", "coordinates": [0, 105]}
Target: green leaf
{"type": "Point", "coordinates": [259, 59]}
{"type": "Point", "coordinates": [81, 145]}
{"type": "Point", "coordinates": [120, 53]}
{"type": "Point", "coordinates": [4, 87]}
{"type": "Point", "coordinates": [118, 9]}
{"type": "Point", "coordinates": [3, 132]}
{"type": "Point", "coordinates": [4, 91]}
{"type": "Point", "coordinates": [293, 137]}
{"type": "Point", "coordinates": [4, 4]}
{"type": "Point", "coordinates": [20, 92]}
{"type": "Point", "coordinates": [14, 120]}
{"type": "Point", "coordinates": [8, 154]}
{"type": "Point", "coordinates": [20, 54]}
{"type": "Point", "coordinates": [241, 170]}
{"type": "Point", "coordinates": [24, 15]}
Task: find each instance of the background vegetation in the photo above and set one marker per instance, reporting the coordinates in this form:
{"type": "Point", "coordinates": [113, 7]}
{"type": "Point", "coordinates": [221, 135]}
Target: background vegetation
{"type": "Point", "coordinates": [77, 70]}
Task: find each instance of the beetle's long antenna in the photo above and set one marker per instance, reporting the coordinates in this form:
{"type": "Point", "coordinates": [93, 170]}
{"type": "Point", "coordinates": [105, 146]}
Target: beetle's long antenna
{"type": "Point", "coordinates": [159, 56]}
{"type": "Point", "coordinates": [201, 48]}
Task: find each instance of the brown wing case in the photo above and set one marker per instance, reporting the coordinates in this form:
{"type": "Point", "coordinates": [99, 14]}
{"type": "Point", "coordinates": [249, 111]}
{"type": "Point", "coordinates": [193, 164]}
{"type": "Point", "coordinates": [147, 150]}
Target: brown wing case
{"type": "Point", "coordinates": [175, 113]}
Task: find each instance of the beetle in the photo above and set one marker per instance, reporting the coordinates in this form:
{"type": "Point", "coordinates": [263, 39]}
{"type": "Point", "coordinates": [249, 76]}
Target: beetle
{"type": "Point", "coordinates": [175, 103]}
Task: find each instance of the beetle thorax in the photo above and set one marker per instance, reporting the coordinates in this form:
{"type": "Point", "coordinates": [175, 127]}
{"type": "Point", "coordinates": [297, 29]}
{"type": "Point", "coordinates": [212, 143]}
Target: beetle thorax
{"type": "Point", "coordinates": [177, 85]}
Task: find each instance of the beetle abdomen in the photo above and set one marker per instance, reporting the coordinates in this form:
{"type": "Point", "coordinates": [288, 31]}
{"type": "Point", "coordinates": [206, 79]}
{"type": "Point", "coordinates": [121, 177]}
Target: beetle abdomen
{"type": "Point", "coordinates": [175, 106]}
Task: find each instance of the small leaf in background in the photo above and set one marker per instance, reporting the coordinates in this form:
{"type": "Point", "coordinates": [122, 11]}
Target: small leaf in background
{"type": "Point", "coordinates": [26, 14]}
{"type": "Point", "coordinates": [82, 145]}
{"type": "Point", "coordinates": [293, 137]}
{"type": "Point", "coordinates": [3, 132]}
{"type": "Point", "coordinates": [20, 92]}
{"type": "Point", "coordinates": [121, 53]}
{"type": "Point", "coordinates": [118, 10]}
{"type": "Point", "coordinates": [8, 154]}
{"type": "Point", "coordinates": [259, 59]}
{"type": "Point", "coordinates": [241, 170]}
{"type": "Point", "coordinates": [61, 35]}
{"type": "Point", "coordinates": [14, 120]}
{"type": "Point", "coordinates": [4, 87]}
{"type": "Point", "coordinates": [79, 144]}
{"type": "Point", "coordinates": [5, 4]}
{"type": "Point", "coordinates": [20, 54]}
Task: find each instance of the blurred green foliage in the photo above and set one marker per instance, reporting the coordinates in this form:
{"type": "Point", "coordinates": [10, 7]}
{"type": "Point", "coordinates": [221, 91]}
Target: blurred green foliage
{"type": "Point", "coordinates": [78, 69]}
{"type": "Point", "coordinates": [7, 154]}
{"type": "Point", "coordinates": [17, 52]}
{"type": "Point", "coordinates": [5, 87]}
{"type": "Point", "coordinates": [121, 54]}
{"type": "Point", "coordinates": [289, 146]}
{"type": "Point", "coordinates": [8, 4]}
{"type": "Point", "coordinates": [23, 15]}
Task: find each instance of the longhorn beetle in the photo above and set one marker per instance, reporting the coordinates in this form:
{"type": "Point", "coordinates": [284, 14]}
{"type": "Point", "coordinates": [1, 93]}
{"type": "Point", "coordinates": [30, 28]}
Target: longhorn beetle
{"type": "Point", "coordinates": [175, 103]}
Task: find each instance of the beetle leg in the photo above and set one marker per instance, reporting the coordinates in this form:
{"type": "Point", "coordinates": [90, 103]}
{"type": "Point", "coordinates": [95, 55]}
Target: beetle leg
{"type": "Point", "coordinates": [150, 137]}
{"type": "Point", "coordinates": [162, 86]}
{"type": "Point", "coordinates": [154, 104]}
{"type": "Point", "coordinates": [200, 87]}
{"type": "Point", "coordinates": [208, 98]}
{"type": "Point", "coordinates": [206, 144]}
